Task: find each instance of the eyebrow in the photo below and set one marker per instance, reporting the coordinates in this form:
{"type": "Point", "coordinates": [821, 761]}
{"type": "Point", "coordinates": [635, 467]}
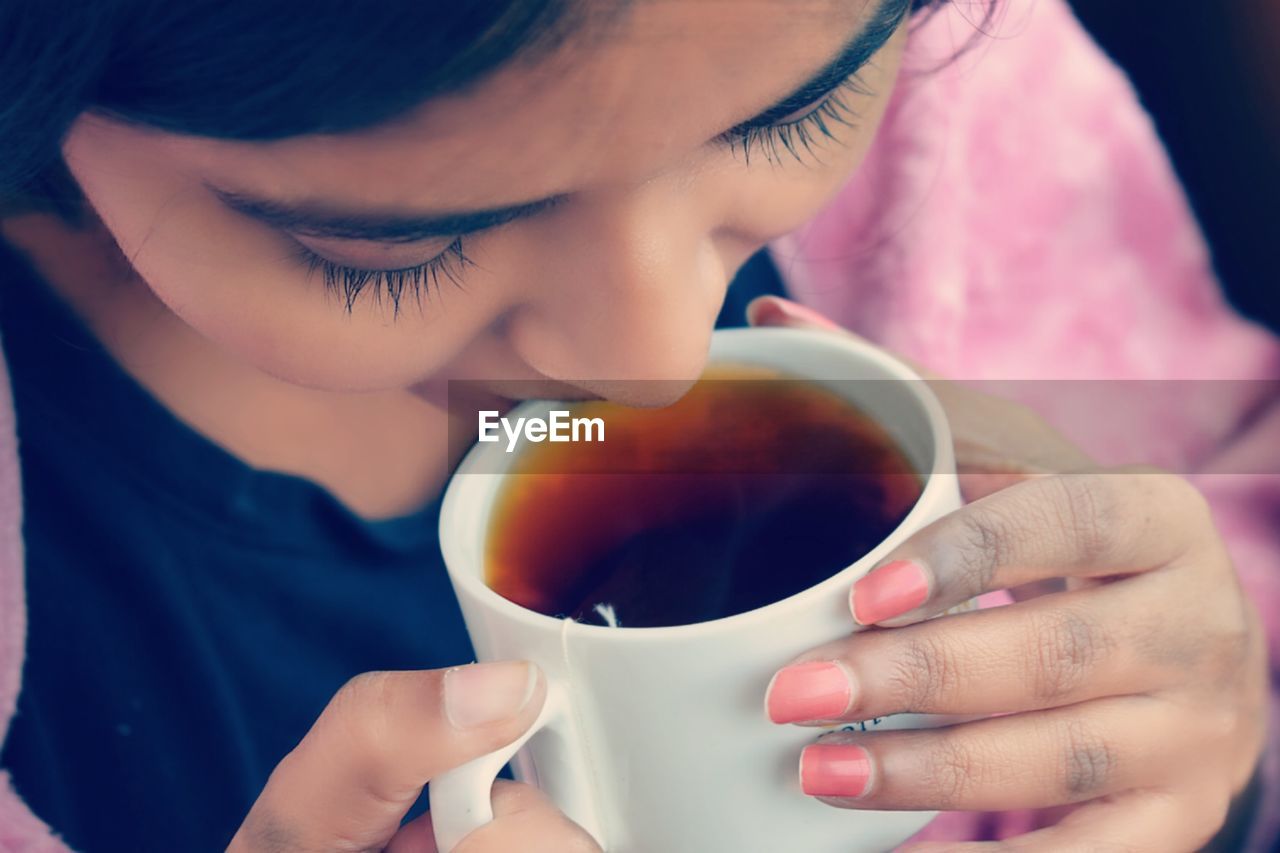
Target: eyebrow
{"type": "Point", "coordinates": [320, 220]}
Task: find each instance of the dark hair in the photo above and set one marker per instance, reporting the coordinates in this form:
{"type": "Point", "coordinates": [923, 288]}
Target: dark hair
{"type": "Point", "coordinates": [235, 69]}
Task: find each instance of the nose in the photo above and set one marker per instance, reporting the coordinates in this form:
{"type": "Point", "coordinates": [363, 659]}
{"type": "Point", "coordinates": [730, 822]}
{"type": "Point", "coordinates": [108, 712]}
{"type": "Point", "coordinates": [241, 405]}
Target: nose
{"type": "Point", "coordinates": [625, 303]}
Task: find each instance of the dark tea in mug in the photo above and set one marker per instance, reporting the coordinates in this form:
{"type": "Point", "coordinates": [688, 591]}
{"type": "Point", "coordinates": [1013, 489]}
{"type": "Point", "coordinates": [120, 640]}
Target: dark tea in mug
{"type": "Point", "coordinates": [751, 488]}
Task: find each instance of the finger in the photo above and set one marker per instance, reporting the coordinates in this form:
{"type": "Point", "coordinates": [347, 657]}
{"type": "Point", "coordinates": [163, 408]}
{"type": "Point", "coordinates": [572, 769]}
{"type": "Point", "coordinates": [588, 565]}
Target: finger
{"type": "Point", "coordinates": [381, 738]}
{"type": "Point", "coordinates": [417, 836]}
{"type": "Point", "coordinates": [524, 819]}
{"type": "Point", "coordinates": [1056, 650]}
{"type": "Point", "coordinates": [527, 821]}
{"type": "Point", "coordinates": [1071, 525]}
{"type": "Point", "coordinates": [774, 311]}
{"type": "Point", "coordinates": [1140, 821]}
{"type": "Point", "coordinates": [1034, 760]}
{"type": "Point", "coordinates": [998, 441]}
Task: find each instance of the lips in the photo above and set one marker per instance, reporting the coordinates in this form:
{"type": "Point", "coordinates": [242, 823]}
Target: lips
{"type": "Point", "coordinates": [471, 395]}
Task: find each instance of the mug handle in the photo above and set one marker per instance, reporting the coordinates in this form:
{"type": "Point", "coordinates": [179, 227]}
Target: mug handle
{"type": "Point", "coordinates": [460, 799]}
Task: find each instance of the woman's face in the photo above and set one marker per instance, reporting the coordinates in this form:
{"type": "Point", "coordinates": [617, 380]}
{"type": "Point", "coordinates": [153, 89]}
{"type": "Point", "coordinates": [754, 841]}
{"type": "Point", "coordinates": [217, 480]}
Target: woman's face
{"type": "Point", "coordinates": [601, 196]}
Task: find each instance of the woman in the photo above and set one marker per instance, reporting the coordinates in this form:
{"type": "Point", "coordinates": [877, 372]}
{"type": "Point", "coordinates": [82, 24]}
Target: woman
{"type": "Point", "coordinates": [248, 247]}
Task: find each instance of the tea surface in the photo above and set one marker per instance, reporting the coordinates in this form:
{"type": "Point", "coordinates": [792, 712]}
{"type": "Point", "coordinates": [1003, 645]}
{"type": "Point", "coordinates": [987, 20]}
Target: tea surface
{"type": "Point", "coordinates": [744, 492]}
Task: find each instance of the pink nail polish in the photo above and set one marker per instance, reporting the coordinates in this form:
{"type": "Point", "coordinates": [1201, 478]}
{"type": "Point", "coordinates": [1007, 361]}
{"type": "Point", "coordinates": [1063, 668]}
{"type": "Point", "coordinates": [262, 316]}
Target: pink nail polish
{"type": "Point", "coordinates": [835, 770]}
{"type": "Point", "coordinates": [803, 692]}
{"type": "Point", "coordinates": [889, 591]}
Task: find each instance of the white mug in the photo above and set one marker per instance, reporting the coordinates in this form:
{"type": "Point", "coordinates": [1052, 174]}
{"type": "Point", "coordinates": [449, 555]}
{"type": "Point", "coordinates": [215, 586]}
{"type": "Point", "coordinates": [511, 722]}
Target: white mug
{"type": "Point", "coordinates": [655, 740]}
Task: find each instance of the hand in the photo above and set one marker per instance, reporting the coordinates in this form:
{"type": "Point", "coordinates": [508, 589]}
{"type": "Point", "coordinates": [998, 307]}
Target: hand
{"type": "Point", "coordinates": [383, 736]}
{"type": "Point", "coordinates": [1135, 691]}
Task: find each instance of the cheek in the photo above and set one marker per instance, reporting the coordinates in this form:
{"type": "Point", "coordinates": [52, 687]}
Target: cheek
{"type": "Point", "coordinates": [263, 307]}
{"type": "Point", "coordinates": [773, 201]}
{"type": "Point", "coordinates": [270, 315]}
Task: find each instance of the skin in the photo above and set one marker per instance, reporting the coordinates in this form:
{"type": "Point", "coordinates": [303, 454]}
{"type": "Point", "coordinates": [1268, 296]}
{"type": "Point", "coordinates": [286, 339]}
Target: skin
{"type": "Point", "coordinates": [214, 314]}
{"type": "Point", "coordinates": [620, 282]}
{"type": "Point", "coordinates": [1132, 665]}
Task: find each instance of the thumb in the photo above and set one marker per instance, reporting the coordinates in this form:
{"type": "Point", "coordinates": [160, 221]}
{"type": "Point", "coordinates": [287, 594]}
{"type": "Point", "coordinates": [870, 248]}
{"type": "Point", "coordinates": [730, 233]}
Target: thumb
{"type": "Point", "coordinates": [383, 736]}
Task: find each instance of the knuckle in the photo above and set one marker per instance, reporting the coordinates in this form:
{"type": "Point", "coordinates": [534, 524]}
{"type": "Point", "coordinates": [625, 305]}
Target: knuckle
{"type": "Point", "coordinates": [1065, 649]}
{"type": "Point", "coordinates": [1081, 508]}
{"type": "Point", "coordinates": [1177, 497]}
{"type": "Point", "coordinates": [1184, 495]}
{"type": "Point", "coordinates": [262, 832]}
{"type": "Point", "coordinates": [515, 797]}
{"type": "Point", "coordinates": [1222, 723]}
{"type": "Point", "coordinates": [581, 843]}
{"type": "Point", "coordinates": [576, 840]}
{"type": "Point", "coordinates": [924, 673]}
{"type": "Point", "coordinates": [1227, 649]}
{"type": "Point", "coordinates": [980, 547]}
{"type": "Point", "coordinates": [1106, 845]}
{"type": "Point", "coordinates": [1088, 763]}
{"type": "Point", "coordinates": [952, 772]}
{"type": "Point", "coordinates": [360, 714]}
{"type": "Point", "coordinates": [1214, 809]}
{"type": "Point", "coordinates": [359, 691]}
{"type": "Point", "coordinates": [525, 820]}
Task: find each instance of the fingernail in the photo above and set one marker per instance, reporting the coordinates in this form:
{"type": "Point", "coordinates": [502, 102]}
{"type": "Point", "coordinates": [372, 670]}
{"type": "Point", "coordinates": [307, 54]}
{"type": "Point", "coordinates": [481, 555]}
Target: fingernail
{"type": "Point", "coordinates": [835, 770]}
{"type": "Point", "coordinates": [891, 590]}
{"type": "Point", "coordinates": [774, 311]}
{"type": "Point", "coordinates": [486, 693]}
{"type": "Point", "coordinates": [804, 692]}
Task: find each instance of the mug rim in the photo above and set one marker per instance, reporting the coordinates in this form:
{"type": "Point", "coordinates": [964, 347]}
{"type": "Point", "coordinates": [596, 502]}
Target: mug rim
{"type": "Point", "coordinates": [940, 467]}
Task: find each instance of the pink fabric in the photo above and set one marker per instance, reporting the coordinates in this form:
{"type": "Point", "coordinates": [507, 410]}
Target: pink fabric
{"type": "Point", "coordinates": [1016, 219]}
{"type": "Point", "coordinates": [20, 831]}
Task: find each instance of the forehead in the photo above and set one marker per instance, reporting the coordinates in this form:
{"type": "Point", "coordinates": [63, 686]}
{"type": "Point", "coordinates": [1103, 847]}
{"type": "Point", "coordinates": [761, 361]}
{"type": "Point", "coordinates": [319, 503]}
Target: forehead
{"type": "Point", "coordinates": [620, 100]}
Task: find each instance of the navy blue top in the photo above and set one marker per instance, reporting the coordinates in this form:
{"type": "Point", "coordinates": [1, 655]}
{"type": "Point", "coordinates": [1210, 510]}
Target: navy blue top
{"type": "Point", "coordinates": [189, 615]}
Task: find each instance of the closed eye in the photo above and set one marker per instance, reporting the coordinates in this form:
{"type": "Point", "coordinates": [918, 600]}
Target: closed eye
{"type": "Point", "coordinates": [348, 282]}
{"type": "Point", "coordinates": [797, 135]}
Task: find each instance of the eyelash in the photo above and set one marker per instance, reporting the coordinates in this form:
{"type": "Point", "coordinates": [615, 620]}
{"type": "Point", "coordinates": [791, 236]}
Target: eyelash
{"type": "Point", "coordinates": [797, 137]}
{"type": "Point", "coordinates": [347, 283]}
